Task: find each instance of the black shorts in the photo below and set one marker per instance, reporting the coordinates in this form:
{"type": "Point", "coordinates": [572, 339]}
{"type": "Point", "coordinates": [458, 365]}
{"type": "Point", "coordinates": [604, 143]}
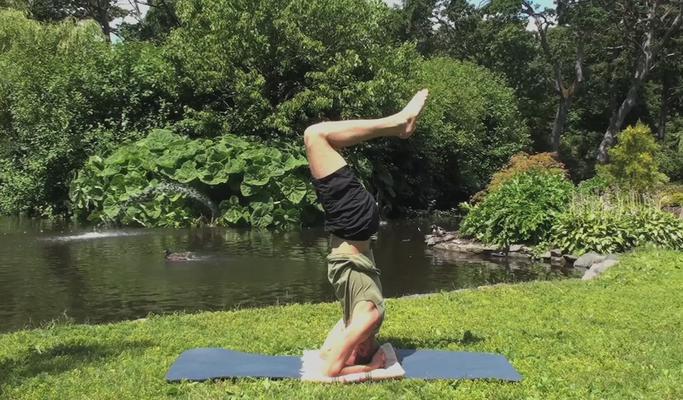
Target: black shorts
{"type": "Point", "coordinates": [350, 210]}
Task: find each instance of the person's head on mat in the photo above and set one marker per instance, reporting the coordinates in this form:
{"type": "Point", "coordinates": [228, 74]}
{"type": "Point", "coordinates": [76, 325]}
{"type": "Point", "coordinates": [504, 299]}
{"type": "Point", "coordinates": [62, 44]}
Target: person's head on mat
{"type": "Point", "coordinates": [351, 218]}
{"type": "Point", "coordinates": [363, 352]}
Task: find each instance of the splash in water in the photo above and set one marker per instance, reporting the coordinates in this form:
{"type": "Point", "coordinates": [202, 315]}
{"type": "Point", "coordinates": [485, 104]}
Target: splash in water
{"type": "Point", "coordinates": [94, 235]}
{"type": "Point", "coordinates": [177, 188]}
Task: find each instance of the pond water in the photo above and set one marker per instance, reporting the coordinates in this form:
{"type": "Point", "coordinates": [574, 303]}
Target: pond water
{"type": "Point", "coordinates": [50, 271]}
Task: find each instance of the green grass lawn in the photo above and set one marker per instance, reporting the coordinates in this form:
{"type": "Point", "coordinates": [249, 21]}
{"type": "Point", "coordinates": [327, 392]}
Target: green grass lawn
{"type": "Point", "coordinates": [619, 337]}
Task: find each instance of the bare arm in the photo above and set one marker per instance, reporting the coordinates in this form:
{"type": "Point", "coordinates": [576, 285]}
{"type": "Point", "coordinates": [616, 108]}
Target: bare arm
{"type": "Point", "coordinates": [336, 336]}
{"type": "Point", "coordinates": [377, 362]}
{"type": "Point", "coordinates": [341, 342]}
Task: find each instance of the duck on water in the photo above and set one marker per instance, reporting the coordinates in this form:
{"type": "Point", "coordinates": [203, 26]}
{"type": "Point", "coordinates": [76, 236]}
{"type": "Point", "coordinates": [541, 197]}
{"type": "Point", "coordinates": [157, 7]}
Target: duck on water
{"type": "Point", "coordinates": [184, 256]}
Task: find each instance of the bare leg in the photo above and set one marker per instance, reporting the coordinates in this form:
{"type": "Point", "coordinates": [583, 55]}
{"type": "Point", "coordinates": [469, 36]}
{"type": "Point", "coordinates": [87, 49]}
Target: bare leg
{"type": "Point", "coordinates": [341, 347]}
{"type": "Point", "coordinates": [323, 139]}
{"type": "Point", "coordinates": [333, 337]}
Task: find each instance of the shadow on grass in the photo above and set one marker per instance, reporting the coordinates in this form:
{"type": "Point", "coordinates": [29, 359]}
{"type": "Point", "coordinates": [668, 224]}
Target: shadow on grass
{"type": "Point", "coordinates": [63, 357]}
{"type": "Point", "coordinates": [437, 342]}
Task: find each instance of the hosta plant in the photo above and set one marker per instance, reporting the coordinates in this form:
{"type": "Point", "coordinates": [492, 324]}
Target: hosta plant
{"type": "Point", "coordinates": [169, 180]}
{"type": "Point", "coordinates": [615, 222]}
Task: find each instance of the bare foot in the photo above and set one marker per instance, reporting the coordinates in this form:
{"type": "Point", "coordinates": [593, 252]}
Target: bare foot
{"type": "Point", "coordinates": [411, 113]}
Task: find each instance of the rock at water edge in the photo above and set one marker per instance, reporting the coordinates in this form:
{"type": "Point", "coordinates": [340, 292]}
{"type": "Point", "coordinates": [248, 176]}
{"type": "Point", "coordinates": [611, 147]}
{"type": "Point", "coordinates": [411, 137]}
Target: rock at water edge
{"type": "Point", "coordinates": [598, 269]}
{"type": "Point", "coordinates": [588, 259]}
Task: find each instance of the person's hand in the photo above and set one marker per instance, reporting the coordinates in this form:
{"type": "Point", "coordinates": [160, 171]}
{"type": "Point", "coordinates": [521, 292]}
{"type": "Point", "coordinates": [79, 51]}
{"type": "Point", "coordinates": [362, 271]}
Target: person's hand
{"type": "Point", "coordinates": [378, 360]}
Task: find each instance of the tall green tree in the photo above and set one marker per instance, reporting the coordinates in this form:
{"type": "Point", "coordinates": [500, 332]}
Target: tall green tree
{"type": "Point", "coordinates": [269, 69]}
{"type": "Point", "coordinates": [646, 28]}
{"type": "Point", "coordinates": [633, 165]}
{"type": "Point", "coordinates": [492, 35]}
{"type": "Point", "coordinates": [161, 18]}
{"type": "Point", "coordinates": [65, 94]}
{"type": "Point", "coordinates": [102, 11]}
{"type": "Point", "coordinates": [416, 23]}
{"type": "Point", "coordinates": [564, 33]}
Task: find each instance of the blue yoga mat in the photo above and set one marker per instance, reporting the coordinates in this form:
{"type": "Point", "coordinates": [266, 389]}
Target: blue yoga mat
{"type": "Point", "coordinates": [210, 363]}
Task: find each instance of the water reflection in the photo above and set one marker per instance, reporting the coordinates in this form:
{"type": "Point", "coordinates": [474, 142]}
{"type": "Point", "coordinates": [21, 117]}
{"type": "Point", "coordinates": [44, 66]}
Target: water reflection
{"type": "Point", "coordinates": [122, 274]}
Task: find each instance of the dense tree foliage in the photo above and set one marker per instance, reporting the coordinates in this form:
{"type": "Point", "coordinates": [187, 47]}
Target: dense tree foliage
{"type": "Point", "coordinates": [101, 11]}
{"type": "Point", "coordinates": [269, 70]}
{"type": "Point", "coordinates": [470, 130]}
{"type": "Point", "coordinates": [66, 93]}
{"type": "Point", "coordinates": [268, 76]}
{"type": "Point", "coordinates": [574, 67]}
{"type": "Point", "coordinates": [160, 20]}
{"type": "Point", "coordinates": [505, 75]}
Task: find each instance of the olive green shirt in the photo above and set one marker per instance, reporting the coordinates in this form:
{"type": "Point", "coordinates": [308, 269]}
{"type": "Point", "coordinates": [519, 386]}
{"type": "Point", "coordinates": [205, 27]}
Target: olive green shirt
{"type": "Point", "coordinates": [355, 278]}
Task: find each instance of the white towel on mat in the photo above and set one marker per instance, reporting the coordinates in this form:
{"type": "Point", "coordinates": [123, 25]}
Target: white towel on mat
{"type": "Point", "coordinates": [312, 367]}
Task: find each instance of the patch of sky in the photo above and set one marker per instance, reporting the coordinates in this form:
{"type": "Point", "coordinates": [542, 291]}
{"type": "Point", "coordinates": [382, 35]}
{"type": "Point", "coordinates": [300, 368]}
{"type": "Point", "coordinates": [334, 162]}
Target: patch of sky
{"type": "Point", "coordinates": [542, 3]}
{"type": "Point", "coordinates": [140, 9]}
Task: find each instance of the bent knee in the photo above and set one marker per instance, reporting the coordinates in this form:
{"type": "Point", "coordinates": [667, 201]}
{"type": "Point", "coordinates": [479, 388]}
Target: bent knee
{"type": "Point", "coordinates": [313, 133]}
{"type": "Point", "coordinates": [369, 311]}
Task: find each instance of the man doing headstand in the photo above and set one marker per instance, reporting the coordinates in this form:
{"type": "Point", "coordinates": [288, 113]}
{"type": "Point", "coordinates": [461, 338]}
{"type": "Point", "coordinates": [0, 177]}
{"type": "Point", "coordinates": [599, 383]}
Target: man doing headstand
{"type": "Point", "coordinates": [352, 216]}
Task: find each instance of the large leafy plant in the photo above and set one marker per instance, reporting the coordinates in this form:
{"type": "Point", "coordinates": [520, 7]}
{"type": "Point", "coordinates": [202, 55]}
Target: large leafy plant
{"type": "Point", "coordinates": [615, 222]}
{"type": "Point", "coordinates": [520, 210]}
{"type": "Point", "coordinates": [168, 180]}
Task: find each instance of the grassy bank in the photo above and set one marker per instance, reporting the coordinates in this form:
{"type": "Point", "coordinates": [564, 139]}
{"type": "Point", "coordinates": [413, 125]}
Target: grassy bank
{"type": "Point", "coordinates": [617, 337]}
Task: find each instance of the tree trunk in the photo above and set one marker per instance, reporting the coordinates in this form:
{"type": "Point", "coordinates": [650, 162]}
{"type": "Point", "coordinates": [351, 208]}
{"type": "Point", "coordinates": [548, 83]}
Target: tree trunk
{"type": "Point", "coordinates": [651, 49]}
{"type": "Point", "coordinates": [104, 24]}
{"type": "Point", "coordinates": [617, 121]}
{"type": "Point", "coordinates": [560, 121]}
{"type": "Point", "coordinates": [565, 93]}
{"type": "Point", "coordinates": [644, 65]}
{"type": "Point", "coordinates": [99, 11]}
{"type": "Point", "coordinates": [171, 12]}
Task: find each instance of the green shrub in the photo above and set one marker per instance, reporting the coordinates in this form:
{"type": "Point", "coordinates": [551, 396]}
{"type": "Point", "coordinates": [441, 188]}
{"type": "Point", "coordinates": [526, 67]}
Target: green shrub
{"type": "Point", "coordinates": [521, 210]}
{"type": "Point", "coordinates": [633, 165]}
{"type": "Point", "coordinates": [595, 185]}
{"type": "Point", "coordinates": [519, 163]}
{"type": "Point", "coordinates": [65, 94]}
{"type": "Point", "coordinates": [168, 180]}
{"type": "Point", "coordinates": [671, 157]}
{"type": "Point", "coordinates": [469, 130]}
{"type": "Point", "coordinates": [615, 222]}
{"type": "Point", "coordinates": [671, 196]}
